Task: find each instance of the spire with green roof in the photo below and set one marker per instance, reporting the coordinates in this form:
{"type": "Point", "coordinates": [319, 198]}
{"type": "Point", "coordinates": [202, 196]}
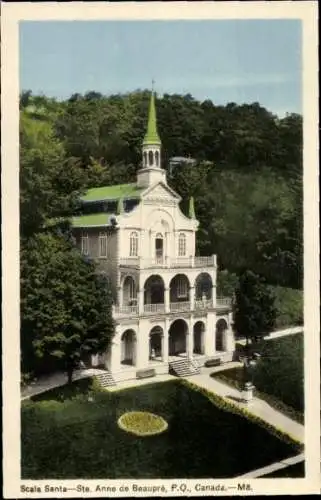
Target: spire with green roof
{"type": "Point", "coordinates": [152, 137]}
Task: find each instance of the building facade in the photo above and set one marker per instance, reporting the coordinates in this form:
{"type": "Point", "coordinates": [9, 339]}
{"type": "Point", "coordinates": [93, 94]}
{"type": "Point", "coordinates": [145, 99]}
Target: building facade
{"type": "Point", "coordinates": [166, 309]}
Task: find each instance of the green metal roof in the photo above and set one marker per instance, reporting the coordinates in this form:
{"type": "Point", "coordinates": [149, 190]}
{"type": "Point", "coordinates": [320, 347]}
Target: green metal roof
{"type": "Point", "coordinates": [152, 136]}
{"type": "Point", "coordinates": [112, 193]}
{"type": "Point", "coordinates": [91, 220]}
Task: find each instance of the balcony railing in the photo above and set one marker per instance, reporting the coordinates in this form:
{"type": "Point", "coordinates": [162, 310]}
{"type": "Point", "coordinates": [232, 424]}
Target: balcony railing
{"type": "Point", "coordinates": [223, 302]}
{"type": "Point", "coordinates": [177, 262]}
{"type": "Point", "coordinates": [199, 305]}
{"type": "Point", "coordinates": [203, 304]}
{"type": "Point", "coordinates": [179, 306]}
{"type": "Point", "coordinates": [154, 308]}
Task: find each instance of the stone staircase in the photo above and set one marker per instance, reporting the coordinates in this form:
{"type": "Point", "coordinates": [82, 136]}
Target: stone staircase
{"type": "Point", "coordinates": [105, 379]}
{"type": "Point", "coordinates": [185, 367]}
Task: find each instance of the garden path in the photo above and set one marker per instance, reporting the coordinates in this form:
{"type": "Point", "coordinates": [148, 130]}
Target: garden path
{"type": "Point", "coordinates": [279, 333]}
{"type": "Point", "coordinates": [257, 406]}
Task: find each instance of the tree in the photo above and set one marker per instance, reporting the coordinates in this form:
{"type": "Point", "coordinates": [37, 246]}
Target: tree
{"type": "Point", "coordinates": [254, 312]}
{"type": "Point", "coordinates": [65, 306]}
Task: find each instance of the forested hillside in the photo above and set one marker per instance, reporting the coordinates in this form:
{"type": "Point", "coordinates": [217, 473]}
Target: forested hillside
{"type": "Point", "coordinates": [247, 182]}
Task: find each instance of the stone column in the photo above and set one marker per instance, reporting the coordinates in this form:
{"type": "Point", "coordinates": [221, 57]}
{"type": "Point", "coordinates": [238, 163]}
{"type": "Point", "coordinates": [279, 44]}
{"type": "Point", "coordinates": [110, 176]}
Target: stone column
{"type": "Point", "coordinates": [114, 358]}
{"type": "Point", "coordinates": [167, 299]}
{"type": "Point", "coordinates": [165, 347]}
{"type": "Point", "coordinates": [120, 296]}
{"type": "Point", "coordinates": [165, 353]}
{"type": "Point", "coordinates": [190, 340]}
{"type": "Point", "coordinates": [209, 334]}
{"type": "Point", "coordinates": [192, 298]}
{"type": "Point", "coordinates": [214, 296]}
{"type": "Point", "coordinates": [140, 301]}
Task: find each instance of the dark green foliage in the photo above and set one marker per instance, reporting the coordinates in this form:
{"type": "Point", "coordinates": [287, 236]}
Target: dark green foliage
{"type": "Point", "coordinates": [289, 305]}
{"type": "Point", "coordinates": [80, 438]}
{"type": "Point", "coordinates": [246, 184]}
{"type": "Point", "coordinates": [65, 305]}
{"type": "Point", "coordinates": [254, 312]}
{"type": "Point", "coordinates": [278, 376]}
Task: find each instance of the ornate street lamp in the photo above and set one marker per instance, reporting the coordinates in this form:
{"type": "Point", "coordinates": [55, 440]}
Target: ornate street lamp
{"type": "Point", "coordinates": [249, 364]}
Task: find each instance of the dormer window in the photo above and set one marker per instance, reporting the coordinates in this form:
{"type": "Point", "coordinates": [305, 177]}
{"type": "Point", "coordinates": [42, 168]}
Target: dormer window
{"type": "Point", "coordinates": [182, 245]}
{"type": "Point", "coordinates": [85, 244]}
{"type": "Point", "coordinates": [102, 245]}
{"type": "Point", "coordinates": [133, 245]}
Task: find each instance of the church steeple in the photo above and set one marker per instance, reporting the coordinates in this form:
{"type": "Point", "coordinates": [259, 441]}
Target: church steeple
{"type": "Point", "coordinates": [151, 171]}
{"type": "Point", "coordinates": [152, 137]}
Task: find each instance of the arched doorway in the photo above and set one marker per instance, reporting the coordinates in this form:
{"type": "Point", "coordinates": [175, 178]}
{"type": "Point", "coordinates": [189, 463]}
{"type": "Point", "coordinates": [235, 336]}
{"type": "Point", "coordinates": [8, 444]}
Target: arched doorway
{"type": "Point", "coordinates": [203, 287]}
{"type": "Point", "coordinates": [129, 292]}
{"type": "Point", "coordinates": [128, 348]}
{"type": "Point", "coordinates": [221, 327]}
{"type": "Point", "coordinates": [177, 337]}
{"type": "Point", "coordinates": [154, 290]}
{"type": "Point", "coordinates": [155, 343]}
{"type": "Point", "coordinates": [199, 330]}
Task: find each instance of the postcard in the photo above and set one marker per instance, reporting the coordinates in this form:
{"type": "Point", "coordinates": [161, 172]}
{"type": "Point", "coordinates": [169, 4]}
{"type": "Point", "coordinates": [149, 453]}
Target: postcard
{"type": "Point", "coordinates": [161, 332]}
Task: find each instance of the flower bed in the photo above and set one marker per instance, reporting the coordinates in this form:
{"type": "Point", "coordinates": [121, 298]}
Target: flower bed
{"type": "Point", "coordinates": [142, 423]}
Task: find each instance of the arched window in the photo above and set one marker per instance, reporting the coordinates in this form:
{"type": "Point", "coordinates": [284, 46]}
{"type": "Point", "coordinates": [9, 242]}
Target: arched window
{"type": "Point", "coordinates": [133, 246]}
{"type": "Point", "coordinates": [159, 246]}
{"type": "Point", "coordinates": [145, 159]}
{"type": "Point", "coordinates": [157, 158]}
{"type": "Point", "coordinates": [102, 245]}
{"type": "Point", "coordinates": [85, 244]}
{"type": "Point", "coordinates": [150, 157]}
{"type": "Point", "coordinates": [182, 245]}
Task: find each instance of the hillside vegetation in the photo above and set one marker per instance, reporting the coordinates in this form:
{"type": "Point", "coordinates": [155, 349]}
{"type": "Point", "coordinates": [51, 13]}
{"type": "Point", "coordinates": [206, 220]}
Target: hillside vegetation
{"type": "Point", "coordinates": [247, 182]}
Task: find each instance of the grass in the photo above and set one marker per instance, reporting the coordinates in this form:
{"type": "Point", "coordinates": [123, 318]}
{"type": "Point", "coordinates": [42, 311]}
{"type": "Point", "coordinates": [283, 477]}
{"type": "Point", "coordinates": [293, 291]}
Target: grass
{"type": "Point", "coordinates": [66, 434]}
{"type": "Point", "coordinates": [278, 376]}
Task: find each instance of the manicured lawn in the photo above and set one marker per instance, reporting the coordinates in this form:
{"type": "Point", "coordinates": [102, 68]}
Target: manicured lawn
{"type": "Point", "coordinates": [77, 438]}
{"type": "Point", "coordinates": [279, 375]}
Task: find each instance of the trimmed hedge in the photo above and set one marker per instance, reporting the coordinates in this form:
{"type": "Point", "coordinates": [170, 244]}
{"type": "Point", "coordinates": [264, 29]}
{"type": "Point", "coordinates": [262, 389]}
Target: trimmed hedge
{"type": "Point", "coordinates": [225, 405]}
{"type": "Point", "coordinates": [79, 437]}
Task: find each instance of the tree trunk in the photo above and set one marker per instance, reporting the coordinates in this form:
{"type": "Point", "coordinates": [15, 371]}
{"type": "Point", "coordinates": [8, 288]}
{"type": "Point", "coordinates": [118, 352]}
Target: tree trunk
{"type": "Point", "coordinates": [69, 374]}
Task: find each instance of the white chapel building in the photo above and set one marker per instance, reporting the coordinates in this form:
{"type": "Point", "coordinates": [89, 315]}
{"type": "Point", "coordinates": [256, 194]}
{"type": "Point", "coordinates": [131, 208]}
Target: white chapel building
{"type": "Point", "coordinates": [166, 311]}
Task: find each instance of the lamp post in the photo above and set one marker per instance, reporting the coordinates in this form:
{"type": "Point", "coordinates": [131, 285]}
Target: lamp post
{"type": "Point", "coordinates": [249, 364]}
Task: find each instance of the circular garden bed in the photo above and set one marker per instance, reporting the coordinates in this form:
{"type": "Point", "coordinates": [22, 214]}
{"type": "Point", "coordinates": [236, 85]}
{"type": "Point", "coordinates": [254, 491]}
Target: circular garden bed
{"type": "Point", "coordinates": [142, 423]}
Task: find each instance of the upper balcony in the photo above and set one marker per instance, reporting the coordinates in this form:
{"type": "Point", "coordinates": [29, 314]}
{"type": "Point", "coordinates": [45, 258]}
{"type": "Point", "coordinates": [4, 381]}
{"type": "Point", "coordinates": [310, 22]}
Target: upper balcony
{"type": "Point", "coordinates": [221, 303]}
{"type": "Point", "coordinates": [168, 262]}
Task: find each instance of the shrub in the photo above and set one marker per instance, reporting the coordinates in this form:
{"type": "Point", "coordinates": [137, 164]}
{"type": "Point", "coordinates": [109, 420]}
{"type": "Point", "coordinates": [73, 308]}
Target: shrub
{"type": "Point", "coordinates": [225, 405]}
{"type": "Point", "coordinates": [142, 423]}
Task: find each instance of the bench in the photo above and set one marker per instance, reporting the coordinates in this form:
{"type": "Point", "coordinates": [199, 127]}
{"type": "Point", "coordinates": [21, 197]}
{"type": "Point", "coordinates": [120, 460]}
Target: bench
{"type": "Point", "coordinates": [213, 362]}
{"type": "Point", "coordinates": [149, 372]}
